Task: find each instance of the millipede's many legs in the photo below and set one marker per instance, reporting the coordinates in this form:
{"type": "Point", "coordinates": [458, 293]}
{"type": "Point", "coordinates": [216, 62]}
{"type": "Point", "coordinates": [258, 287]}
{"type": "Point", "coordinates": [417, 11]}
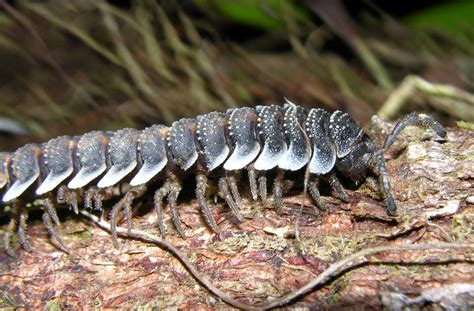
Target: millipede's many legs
{"type": "Point", "coordinates": [314, 192]}
{"type": "Point", "coordinates": [125, 203]}
{"type": "Point", "coordinates": [253, 182]}
{"type": "Point", "coordinates": [337, 187]}
{"type": "Point", "coordinates": [278, 191]}
{"type": "Point", "coordinates": [201, 186]}
{"type": "Point", "coordinates": [175, 189]}
{"type": "Point", "coordinates": [94, 197]}
{"type": "Point", "coordinates": [224, 189]}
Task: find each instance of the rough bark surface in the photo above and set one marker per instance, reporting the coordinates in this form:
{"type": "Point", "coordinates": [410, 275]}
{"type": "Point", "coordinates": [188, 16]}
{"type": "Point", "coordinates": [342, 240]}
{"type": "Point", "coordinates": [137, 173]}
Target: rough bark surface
{"type": "Point", "coordinates": [260, 259]}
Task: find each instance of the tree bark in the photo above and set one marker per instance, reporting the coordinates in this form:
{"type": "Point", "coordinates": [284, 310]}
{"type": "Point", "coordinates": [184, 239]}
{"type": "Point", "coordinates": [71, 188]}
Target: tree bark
{"type": "Point", "coordinates": [260, 259]}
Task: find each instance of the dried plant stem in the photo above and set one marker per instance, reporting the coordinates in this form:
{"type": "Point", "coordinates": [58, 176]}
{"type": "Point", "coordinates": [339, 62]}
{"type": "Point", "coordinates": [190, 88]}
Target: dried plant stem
{"type": "Point", "coordinates": [448, 98]}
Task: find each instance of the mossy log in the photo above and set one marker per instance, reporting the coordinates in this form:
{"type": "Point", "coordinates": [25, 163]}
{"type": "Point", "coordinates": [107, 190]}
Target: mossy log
{"type": "Point", "coordinates": [261, 259]}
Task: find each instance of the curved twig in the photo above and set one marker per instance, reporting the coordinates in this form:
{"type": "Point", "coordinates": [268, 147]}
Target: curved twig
{"type": "Point", "coordinates": [144, 236]}
{"type": "Point", "coordinates": [349, 262]}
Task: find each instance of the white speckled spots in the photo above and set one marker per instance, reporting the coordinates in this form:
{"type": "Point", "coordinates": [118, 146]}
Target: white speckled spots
{"type": "Point", "coordinates": [182, 143]}
{"type": "Point", "coordinates": [152, 152]}
{"type": "Point", "coordinates": [270, 130]}
{"type": "Point", "coordinates": [122, 155]}
{"type": "Point", "coordinates": [211, 136]}
{"type": "Point", "coordinates": [58, 162]}
{"type": "Point", "coordinates": [344, 132]}
{"type": "Point", "coordinates": [243, 131]}
{"type": "Point", "coordinates": [324, 152]}
{"type": "Point", "coordinates": [323, 160]}
{"type": "Point", "coordinates": [298, 152]}
{"type": "Point", "coordinates": [91, 156]}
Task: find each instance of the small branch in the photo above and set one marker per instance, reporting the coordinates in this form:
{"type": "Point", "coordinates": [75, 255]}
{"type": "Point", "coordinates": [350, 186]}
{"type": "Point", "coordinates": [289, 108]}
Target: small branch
{"type": "Point", "coordinates": [460, 103]}
{"type": "Point", "coordinates": [356, 260]}
{"type": "Point", "coordinates": [347, 263]}
{"type": "Point", "coordinates": [144, 236]}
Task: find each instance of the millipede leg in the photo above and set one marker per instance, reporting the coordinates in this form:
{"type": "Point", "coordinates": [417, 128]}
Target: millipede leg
{"type": "Point", "coordinates": [98, 199]}
{"type": "Point", "coordinates": [377, 165]}
{"type": "Point", "coordinates": [262, 184]}
{"type": "Point", "coordinates": [412, 119]}
{"type": "Point", "coordinates": [48, 204]}
{"type": "Point", "coordinates": [253, 183]}
{"type": "Point", "coordinates": [113, 221]}
{"type": "Point", "coordinates": [158, 201]}
{"type": "Point", "coordinates": [7, 236]}
{"type": "Point", "coordinates": [52, 231]}
{"type": "Point", "coordinates": [73, 202]}
{"type": "Point", "coordinates": [89, 197]}
{"type": "Point", "coordinates": [127, 206]}
{"type": "Point", "coordinates": [66, 196]}
{"type": "Point", "coordinates": [201, 185]}
{"type": "Point", "coordinates": [172, 202]}
{"type": "Point", "coordinates": [235, 190]}
{"type": "Point", "coordinates": [278, 192]}
{"type": "Point", "coordinates": [313, 190]}
{"type": "Point", "coordinates": [336, 186]}
{"type": "Point", "coordinates": [224, 188]}
{"type": "Point", "coordinates": [22, 229]}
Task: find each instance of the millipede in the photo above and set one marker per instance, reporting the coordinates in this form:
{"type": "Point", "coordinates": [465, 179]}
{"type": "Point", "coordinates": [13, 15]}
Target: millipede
{"type": "Point", "coordinates": [219, 148]}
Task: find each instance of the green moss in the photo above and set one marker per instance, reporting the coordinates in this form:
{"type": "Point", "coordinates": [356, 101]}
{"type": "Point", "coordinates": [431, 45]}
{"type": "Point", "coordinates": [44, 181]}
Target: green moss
{"type": "Point", "coordinates": [6, 299]}
{"type": "Point", "coordinates": [462, 227]}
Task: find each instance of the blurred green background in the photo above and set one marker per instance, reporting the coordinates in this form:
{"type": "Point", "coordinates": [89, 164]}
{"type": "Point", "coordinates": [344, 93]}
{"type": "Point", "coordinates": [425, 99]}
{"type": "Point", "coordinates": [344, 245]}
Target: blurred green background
{"type": "Point", "coordinates": [68, 67]}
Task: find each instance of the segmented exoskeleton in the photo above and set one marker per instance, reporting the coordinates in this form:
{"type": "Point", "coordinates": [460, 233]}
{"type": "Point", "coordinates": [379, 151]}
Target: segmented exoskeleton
{"type": "Point", "coordinates": [213, 146]}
